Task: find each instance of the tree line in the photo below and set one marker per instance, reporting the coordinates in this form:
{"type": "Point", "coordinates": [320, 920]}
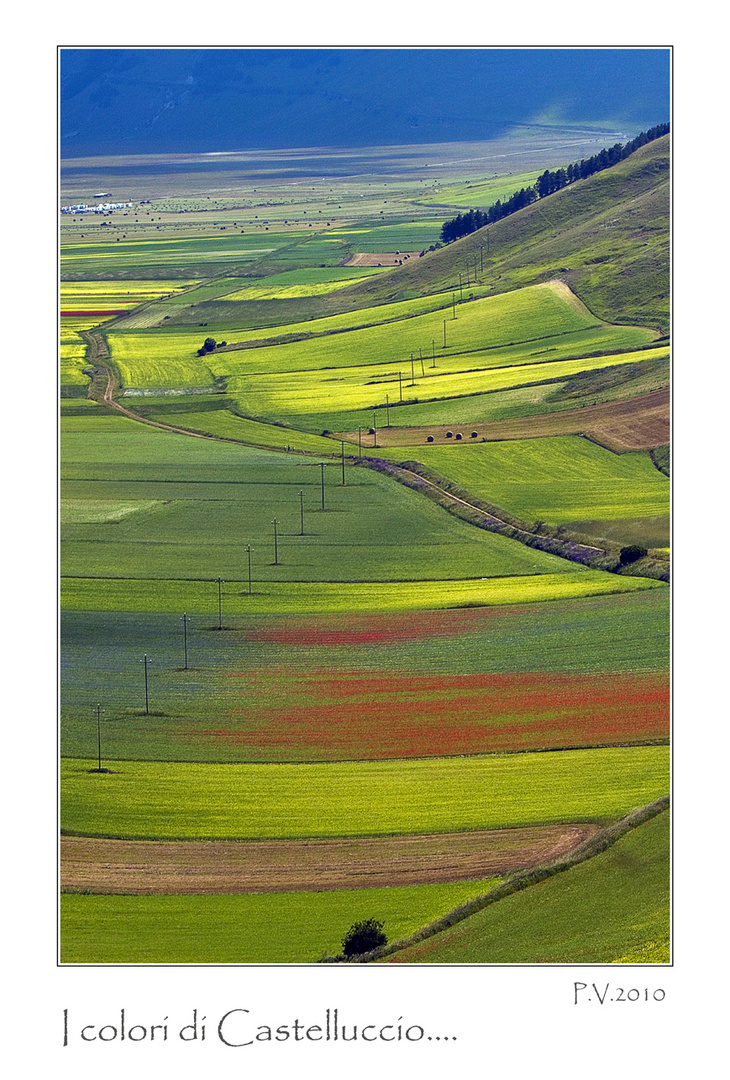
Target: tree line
{"type": "Point", "coordinates": [546, 184]}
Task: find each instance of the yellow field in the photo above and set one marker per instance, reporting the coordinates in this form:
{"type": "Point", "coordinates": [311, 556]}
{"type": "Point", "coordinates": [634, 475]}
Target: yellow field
{"type": "Point", "coordinates": [82, 594]}
{"type": "Point", "coordinates": [299, 393]}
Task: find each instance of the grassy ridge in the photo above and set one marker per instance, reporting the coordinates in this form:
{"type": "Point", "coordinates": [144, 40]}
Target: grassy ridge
{"type": "Point", "coordinates": [546, 314]}
{"type": "Point", "coordinates": [297, 598]}
{"type": "Point", "coordinates": [608, 236]}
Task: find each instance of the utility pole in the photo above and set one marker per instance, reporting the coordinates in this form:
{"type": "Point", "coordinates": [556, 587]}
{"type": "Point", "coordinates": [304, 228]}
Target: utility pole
{"type": "Point", "coordinates": [400, 384]}
{"type": "Point", "coordinates": [413, 378]}
{"type": "Point", "coordinates": [481, 257]}
{"type": "Point", "coordinates": [444, 333]}
{"type": "Point", "coordinates": [301, 513]}
{"type": "Point", "coordinates": [433, 352]}
{"type": "Point", "coordinates": [359, 444]}
{"type": "Point", "coordinates": [460, 292]}
{"type": "Point", "coordinates": [99, 711]}
{"type": "Point", "coordinates": [453, 305]}
{"type": "Point", "coordinates": [321, 465]}
{"type": "Point", "coordinates": [248, 549]}
{"type": "Point", "coordinates": [342, 444]}
{"type": "Point", "coordinates": [375, 432]}
{"type": "Point", "coordinates": [387, 411]}
{"type": "Point", "coordinates": [220, 609]}
{"type": "Point", "coordinates": [146, 661]}
{"type": "Point", "coordinates": [420, 353]}
{"type": "Point", "coordinates": [276, 543]}
{"type": "Point", "coordinates": [185, 640]}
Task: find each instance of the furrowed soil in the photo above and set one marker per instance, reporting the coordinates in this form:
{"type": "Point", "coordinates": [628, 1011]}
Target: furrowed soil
{"type": "Point", "coordinates": [640, 423]}
{"type": "Point", "coordinates": [186, 867]}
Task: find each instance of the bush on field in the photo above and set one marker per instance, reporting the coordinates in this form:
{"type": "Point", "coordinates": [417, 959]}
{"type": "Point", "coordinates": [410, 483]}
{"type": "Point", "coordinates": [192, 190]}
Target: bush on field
{"type": "Point", "coordinates": [208, 346]}
{"type": "Point", "coordinates": [362, 937]}
{"type": "Point", "coordinates": [631, 553]}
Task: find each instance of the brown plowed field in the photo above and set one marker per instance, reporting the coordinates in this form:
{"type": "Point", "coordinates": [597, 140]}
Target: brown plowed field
{"type": "Point", "coordinates": [147, 866]}
{"type": "Point", "coordinates": [380, 258]}
{"type": "Point", "coordinates": [639, 423]}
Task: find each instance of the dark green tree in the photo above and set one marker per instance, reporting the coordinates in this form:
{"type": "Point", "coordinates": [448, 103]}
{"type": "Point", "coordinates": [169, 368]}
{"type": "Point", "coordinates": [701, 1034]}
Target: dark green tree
{"type": "Point", "coordinates": [631, 553]}
{"type": "Point", "coordinates": [362, 937]}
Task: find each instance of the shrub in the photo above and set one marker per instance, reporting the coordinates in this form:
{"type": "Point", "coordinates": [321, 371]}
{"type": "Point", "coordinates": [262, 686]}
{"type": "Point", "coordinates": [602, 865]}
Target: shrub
{"type": "Point", "coordinates": [362, 937]}
{"type": "Point", "coordinates": [208, 344]}
{"type": "Point", "coordinates": [631, 553]}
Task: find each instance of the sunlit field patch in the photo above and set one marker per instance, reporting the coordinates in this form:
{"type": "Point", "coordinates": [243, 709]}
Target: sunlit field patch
{"type": "Point", "coordinates": [94, 511]}
{"type": "Point", "coordinates": [309, 397]}
{"type": "Point", "coordinates": [449, 794]}
{"type": "Point", "coordinates": [196, 597]}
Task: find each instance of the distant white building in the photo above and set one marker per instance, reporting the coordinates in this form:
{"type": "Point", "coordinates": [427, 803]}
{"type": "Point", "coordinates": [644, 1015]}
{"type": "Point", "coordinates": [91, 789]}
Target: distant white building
{"type": "Point", "coordinates": [100, 208]}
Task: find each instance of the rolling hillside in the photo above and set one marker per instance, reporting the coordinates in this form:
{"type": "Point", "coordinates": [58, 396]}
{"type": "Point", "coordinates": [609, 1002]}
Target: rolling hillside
{"type": "Point", "coordinates": [606, 236]}
{"type": "Point", "coordinates": [267, 639]}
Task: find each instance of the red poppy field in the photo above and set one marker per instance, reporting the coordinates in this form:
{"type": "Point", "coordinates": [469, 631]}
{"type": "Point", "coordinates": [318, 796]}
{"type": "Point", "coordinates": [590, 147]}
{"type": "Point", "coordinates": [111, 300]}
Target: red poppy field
{"type": "Point", "coordinates": [288, 714]}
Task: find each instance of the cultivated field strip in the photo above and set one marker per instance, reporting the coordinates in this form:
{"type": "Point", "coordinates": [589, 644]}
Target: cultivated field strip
{"type": "Point", "coordinates": [295, 597]}
{"type": "Point", "coordinates": [146, 867]}
{"type": "Point", "coordinates": [638, 423]}
{"type": "Point", "coordinates": [169, 801]}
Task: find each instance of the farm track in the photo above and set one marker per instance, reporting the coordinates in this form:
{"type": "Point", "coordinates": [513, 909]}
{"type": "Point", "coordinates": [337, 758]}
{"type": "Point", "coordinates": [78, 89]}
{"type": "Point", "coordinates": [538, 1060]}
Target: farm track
{"type": "Point", "coordinates": [572, 553]}
{"type": "Point", "coordinates": [99, 357]}
{"type": "Point", "coordinates": [195, 867]}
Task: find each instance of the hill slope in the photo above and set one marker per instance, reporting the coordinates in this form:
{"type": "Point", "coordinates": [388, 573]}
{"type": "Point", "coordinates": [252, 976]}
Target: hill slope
{"type": "Point", "coordinates": [612, 908]}
{"type": "Point", "coordinates": [606, 236]}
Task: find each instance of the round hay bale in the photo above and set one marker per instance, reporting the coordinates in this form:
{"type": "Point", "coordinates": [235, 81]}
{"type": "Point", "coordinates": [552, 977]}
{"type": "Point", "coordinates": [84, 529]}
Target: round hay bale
{"type": "Point", "coordinates": [449, 434]}
{"type": "Point", "coordinates": [458, 435]}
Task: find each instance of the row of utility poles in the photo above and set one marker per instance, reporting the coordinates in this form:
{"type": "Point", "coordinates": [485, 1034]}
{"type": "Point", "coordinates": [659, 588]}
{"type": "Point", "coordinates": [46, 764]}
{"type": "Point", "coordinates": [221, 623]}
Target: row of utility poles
{"type": "Point", "coordinates": [219, 581]}
{"type": "Point", "coordinates": [146, 661]}
{"type": "Point", "coordinates": [433, 343]}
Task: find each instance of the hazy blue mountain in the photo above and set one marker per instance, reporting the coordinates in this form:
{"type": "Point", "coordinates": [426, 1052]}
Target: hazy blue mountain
{"type": "Point", "coordinates": [125, 101]}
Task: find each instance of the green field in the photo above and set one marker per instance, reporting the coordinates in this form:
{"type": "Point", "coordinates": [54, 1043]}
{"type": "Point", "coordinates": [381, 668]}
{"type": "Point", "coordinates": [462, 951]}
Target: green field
{"type": "Point", "coordinates": [555, 479]}
{"type": "Point", "coordinates": [147, 259]}
{"type": "Point", "coordinates": [166, 800]}
{"type": "Point", "coordinates": [205, 501]}
{"type": "Point", "coordinates": [238, 929]}
{"type": "Point", "coordinates": [613, 908]}
{"type": "Point", "coordinates": [340, 678]}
